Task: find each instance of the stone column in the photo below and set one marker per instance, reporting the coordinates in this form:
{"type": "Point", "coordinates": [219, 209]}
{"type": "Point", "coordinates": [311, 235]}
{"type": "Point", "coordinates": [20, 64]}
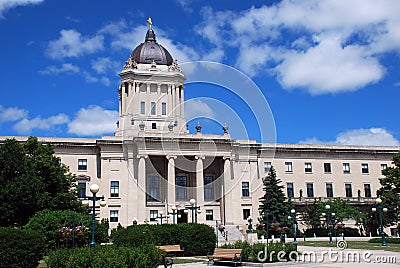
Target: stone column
{"type": "Point", "coordinates": [227, 198]}
{"type": "Point", "coordinates": [171, 180]}
{"type": "Point", "coordinates": [199, 180]}
{"type": "Point", "coordinates": [123, 99]}
{"type": "Point", "coordinates": [141, 193]}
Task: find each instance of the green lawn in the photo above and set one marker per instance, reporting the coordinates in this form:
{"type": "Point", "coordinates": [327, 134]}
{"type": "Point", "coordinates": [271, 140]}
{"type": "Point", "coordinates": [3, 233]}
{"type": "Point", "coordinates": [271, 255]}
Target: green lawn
{"type": "Point", "coordinates": [353, 245]}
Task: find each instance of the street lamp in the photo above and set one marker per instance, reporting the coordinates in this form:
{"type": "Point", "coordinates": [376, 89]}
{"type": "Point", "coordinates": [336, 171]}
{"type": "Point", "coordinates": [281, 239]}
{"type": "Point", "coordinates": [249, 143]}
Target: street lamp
{"type": "Point", "coordinates": [193, 208]}
{"type": "Point", "coordinates": [161, 217]}
{"type": "Point", "coordinates": [173, 213]}
{"type": "Point", "coordinates": [329, 215]}
{"type": "Point", "coordinates": [94, 188]}
{"type": "Point", "coordinates": [380, 209]}
{"type": "Point", "coordinates": [293, 217]}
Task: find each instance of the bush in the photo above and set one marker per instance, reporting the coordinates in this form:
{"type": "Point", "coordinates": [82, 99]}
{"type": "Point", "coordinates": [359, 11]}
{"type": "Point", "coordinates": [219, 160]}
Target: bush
{"type": "Point", "coordinates": [194, 239]}
{"type": "Point", "coordinates": [251, 251]}
{"type": "Point", "coordinates": [389, 240]}
{"type": "Point", "coordinates": [49, 222]}
{"type": "Point", "coordinates": [105, 257]}
{"type": "Point", "coordinates": [21, 248]}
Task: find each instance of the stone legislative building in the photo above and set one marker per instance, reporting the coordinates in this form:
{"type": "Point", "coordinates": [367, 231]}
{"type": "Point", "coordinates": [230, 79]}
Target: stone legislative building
{"type": "Point", "coordinates": [153, 166]}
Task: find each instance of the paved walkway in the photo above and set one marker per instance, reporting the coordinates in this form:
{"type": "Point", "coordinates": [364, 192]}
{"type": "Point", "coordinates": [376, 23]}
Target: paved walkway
{"type": "Point", "coordinates": [330, 258]}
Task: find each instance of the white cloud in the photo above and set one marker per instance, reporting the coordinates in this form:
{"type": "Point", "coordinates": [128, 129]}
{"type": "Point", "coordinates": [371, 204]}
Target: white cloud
{"type": "Point", "coordinates": [12, 114]}
{"type": "Point", "coordinates": [329, 68]}
{"type": "Point", "coordinates": [5, 5]}
{"type": "Point", "coordinates": [363, 137]}
{"type": "Point", "coordinates": [197, 108]}
{"type": "Point", "coordinates": [25, 126]}
{"type": "Point", "coordinates": [92, 121]}
{"type": "Point", "coordinates": [68, 68]}
{"type": "Point", "coordinates": [305, 40]}
{"type": "Point", "coordinates": [72, 44]}
{"type": "Point", "coordinates": [185, 4]}
{"type": "Point", "coordinates": [105, 64]}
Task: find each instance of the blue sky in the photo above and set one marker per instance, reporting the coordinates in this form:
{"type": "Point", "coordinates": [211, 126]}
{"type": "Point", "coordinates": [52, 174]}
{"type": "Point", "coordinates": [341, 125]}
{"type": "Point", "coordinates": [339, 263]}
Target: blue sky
{"type": "Point", "coordinates": [328, 69]}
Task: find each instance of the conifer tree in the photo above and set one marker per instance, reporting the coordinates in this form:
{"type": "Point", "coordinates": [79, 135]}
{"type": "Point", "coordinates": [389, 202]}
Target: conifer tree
{"type": "Point", "coordinates": [274, 201]}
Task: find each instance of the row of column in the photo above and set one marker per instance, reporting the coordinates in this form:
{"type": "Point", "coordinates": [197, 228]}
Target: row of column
{"type": "Point", "coordinates": [130, 100]}
{"type": "Point", "coordinates": [141, 181]}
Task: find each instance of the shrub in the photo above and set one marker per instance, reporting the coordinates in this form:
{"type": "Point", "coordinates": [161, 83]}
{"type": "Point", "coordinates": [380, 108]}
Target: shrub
{"type": "Point", "coordinates": [250, 251]}
{"type": "Point", "coordinates": [105, 257]}
{"type": "Point", "coordinates": [49, 223]}
{"type": "Point", "coordinates": [21, 248]}
{"type": "Point", "coordinates": [194, 239]}
{"type": "Point", "coordinates": [390, 240]}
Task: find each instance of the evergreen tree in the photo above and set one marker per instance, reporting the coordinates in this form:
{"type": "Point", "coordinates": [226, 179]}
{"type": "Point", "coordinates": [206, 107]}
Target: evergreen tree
{"type": "Point", "coordinates": [274, 201]}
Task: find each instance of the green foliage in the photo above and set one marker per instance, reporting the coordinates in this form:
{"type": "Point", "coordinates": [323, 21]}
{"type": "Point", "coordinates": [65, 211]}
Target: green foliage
{"type": "Point", "coordinates": [389, 240]}
{"type": "Point", "coordinates": [194, 239]}
{"type": "Point", "coordinates": [49, 222]}
{"type": "Point", "coordinates": [274, 201]}
{"type": "Point", "coordinates": [146, 256]}
{"type": "Point", "coordinates": [390, 190]}
{"type": "Point", "coordinates": [20, 248]}
{"type": "Point", "coordinates": [251, 252]}
{"type": "Point", "coordinates": [32, 179]}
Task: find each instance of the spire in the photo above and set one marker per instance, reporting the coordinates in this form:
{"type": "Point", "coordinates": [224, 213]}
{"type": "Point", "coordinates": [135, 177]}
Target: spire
{"type": "Point", "coordinates": [150, 35]}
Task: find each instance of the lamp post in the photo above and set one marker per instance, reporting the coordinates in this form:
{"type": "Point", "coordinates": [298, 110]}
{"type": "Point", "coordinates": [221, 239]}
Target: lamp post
{"type": "Point", "coordinates": [380, 209]}
{"type": "Point", "coordinates": [173, 213]}
{"type": "Point", "coordinates": [94, 188]}
{"type": "Point", "coordinates": [329, 215]}
{"type": "Point", "coordinates": [161, 217]}
{"type": "Point", "coordinates": [293, 217]}
{"type": "Point", "coordinates": [193, 208]}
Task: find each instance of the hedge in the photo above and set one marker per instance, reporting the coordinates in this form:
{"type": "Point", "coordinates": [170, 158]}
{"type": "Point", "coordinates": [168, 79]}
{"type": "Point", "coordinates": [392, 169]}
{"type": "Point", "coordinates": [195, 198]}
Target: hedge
{"type": "Point", "coordinates": [195, 239]}
{"type": "Point", "coordinates": [251, 252]}
{"type": "Point", "coordinates": [147, 256]}
{"type": "Point", "coordinates": [390, 240]}
{"type": "Point", "coordinates": [21, 248]}
{"type": "Point", "coordinates": [322, 232]}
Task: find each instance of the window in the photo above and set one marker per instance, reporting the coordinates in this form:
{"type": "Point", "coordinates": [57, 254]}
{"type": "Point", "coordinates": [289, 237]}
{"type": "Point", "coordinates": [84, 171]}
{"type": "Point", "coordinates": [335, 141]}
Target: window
{"type": "Point", "coordinates": [327, 168]}
{"type": "Point", "coordinates": [307, 167]}
{"type": "Point", "coordinates": [245, 189]}
{"type": "Point", "coordinates": [82, 164]}
{"type": "Point", "coordinates": [329, 190]}
{"type": "Point", "coordinates": [367, 190]}
{"type": "Point", "coordinates": [153, 215]}
{"type": "Point", "coordinates": [153, 189]}
{"type": "Point", "coordinates": [208, 188]}
{"type": "Point", "coordinates": [290, 190]}
{"type": "Point", "coordinates": [246, 213]}
{"type": "Point", "coordinates": [81, 189]}
{"type": "Point", "coordinates": [153, 125]}
{"type": "Point", "coordinates": [113, 215]}
{"type": "Point", "coordinates": [153, 108]}
{"type": "Point", "coordinates": [349, 192]}
{"type": "Point", "coordinates": [142, 107]}
{"type": "Point", "coordinates": [346, 167]}
{"type": "Point", "coordinates": [164, 108]}
{"type": "Point", "coordinates": [364, 168]}
{"type": "Point", "coordinates": [209, 215]}
{"type": "Point", "coordinates": [181, 190]}
{"type": "Point", "coordinates": [114, 189]}
{"type": "Point", "coordinates": [310, 190]}
{"type": "Point", "coordinates": [383, 166]}
{"type": "Point", "coordinates": [267, 166]}
{"type": "Point", "coordinates": [288, 167]}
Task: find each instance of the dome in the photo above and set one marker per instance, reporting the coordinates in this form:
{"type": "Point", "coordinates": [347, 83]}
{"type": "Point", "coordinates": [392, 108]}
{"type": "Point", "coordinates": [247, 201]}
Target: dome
{"type": "Point", "coordinates": [150, 51]}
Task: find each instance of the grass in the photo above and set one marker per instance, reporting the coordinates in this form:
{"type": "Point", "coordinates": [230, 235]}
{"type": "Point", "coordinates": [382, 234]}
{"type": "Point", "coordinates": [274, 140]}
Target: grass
{"type": "Point", "coordinates": [354, 245]}
{"type": "Point", "coordinates": [183, 260]}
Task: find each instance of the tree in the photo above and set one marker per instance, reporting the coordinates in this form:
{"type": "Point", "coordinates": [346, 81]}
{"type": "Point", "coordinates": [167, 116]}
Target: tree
{"type": "Point", "coordinates": [274, 201]}
{"type": "Point", "coordinates": [390, 191]}
{"type": "Point", "coordinates": [32, 179]}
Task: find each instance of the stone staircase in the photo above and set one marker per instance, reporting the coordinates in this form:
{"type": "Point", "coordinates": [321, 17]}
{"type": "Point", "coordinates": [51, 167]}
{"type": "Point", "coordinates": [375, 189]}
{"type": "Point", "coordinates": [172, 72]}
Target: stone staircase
{"type": "Point", "coordinates": [232, 234]}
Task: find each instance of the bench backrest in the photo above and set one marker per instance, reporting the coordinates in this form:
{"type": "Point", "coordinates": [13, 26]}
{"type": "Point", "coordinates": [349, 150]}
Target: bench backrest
{"type": "Point", "coordinates": [170, 248]}
{"type": "Point", "coordinates": [228, 251]}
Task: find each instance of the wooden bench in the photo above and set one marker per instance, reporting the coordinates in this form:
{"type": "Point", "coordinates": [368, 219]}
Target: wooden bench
{"type": "Point", "coordinates": [170, 249]}
{"type": "Point", "coordinates": [231, 255]}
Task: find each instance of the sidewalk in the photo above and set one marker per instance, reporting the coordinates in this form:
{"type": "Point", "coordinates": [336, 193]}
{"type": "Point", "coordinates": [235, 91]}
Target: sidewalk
{"type": "Point", "coordinates": [329, 258]}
